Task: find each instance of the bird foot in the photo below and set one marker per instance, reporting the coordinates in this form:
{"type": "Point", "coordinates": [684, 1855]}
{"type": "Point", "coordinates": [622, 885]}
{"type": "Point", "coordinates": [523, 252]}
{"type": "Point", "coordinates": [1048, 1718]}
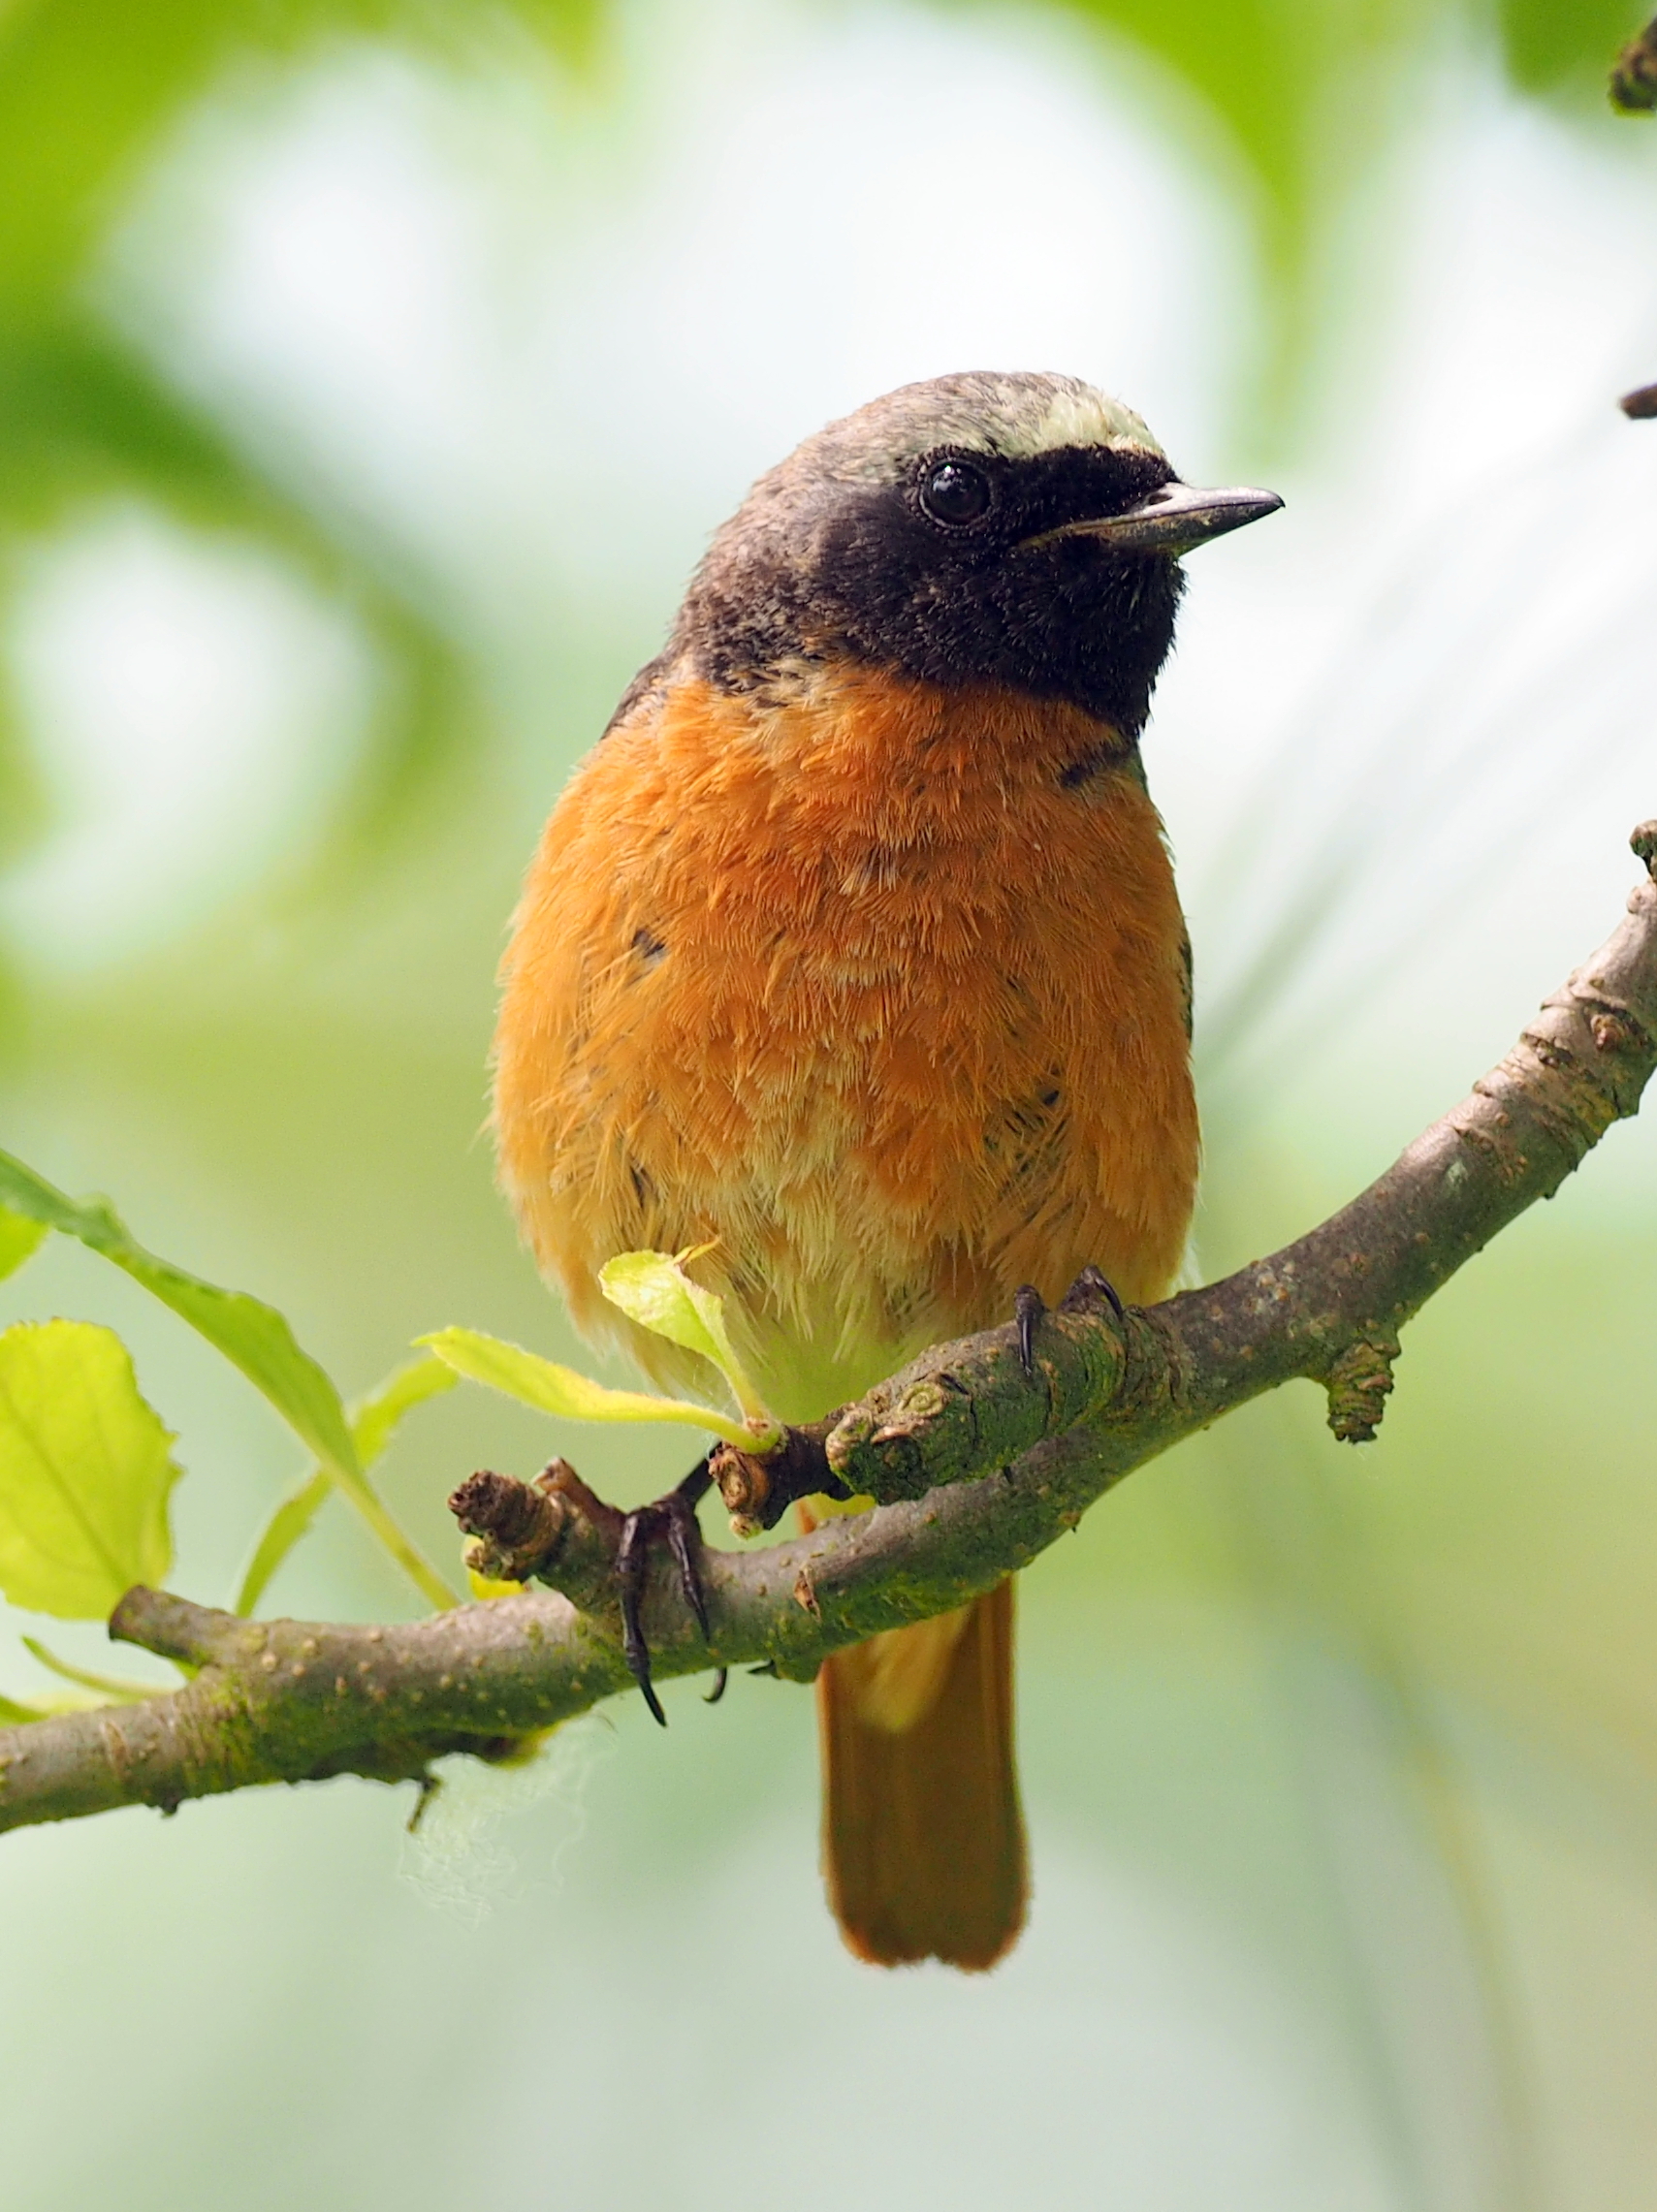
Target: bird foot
{"type": "Point", "coordinates": [556, 1531]}
{"type": "Point", "coordinates": [673, 1518]}
{"type": "Point", "coordinates": [1029, 1307]}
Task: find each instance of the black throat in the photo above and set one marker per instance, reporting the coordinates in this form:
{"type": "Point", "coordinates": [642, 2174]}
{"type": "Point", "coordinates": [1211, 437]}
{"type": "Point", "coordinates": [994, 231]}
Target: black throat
{"type": "Point", "coordinates": [861, 570]}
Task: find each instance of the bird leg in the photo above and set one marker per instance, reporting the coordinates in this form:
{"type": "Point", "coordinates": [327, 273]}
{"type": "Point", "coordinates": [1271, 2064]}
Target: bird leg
{"type": "Point", "coordinates": [673, 1517]}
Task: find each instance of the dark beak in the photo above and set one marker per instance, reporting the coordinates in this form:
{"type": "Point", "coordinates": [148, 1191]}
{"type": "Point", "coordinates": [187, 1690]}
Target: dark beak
{"type": "Point", "coordinates": [1172, 520]}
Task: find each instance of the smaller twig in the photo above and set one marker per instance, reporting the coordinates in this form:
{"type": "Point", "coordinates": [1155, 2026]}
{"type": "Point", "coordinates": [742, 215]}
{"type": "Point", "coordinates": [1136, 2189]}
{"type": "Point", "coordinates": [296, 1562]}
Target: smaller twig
{"type": "Point", "coordinates": [553, 1530]}
{"type": "Point", "coordinates": [760, 1487]}
{"type": "Point", "coordinates": [173, 1627]}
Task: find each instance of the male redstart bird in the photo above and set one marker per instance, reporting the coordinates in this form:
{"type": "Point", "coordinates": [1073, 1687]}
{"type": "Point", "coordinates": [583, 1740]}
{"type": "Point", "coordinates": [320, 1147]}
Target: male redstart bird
{"type": "Point", "coordinates": [852, 955]}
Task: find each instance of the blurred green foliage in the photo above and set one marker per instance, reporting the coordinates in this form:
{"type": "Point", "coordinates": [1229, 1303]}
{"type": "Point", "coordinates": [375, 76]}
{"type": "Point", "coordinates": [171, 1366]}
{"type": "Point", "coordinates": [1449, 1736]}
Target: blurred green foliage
{"type": "Point", "coordinates": [89, 91]}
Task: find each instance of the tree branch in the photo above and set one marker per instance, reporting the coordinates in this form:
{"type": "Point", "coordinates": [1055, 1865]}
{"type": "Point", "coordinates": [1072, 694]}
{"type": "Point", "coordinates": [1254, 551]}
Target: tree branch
{"type": "Point", "coordinates": [976, 1466]}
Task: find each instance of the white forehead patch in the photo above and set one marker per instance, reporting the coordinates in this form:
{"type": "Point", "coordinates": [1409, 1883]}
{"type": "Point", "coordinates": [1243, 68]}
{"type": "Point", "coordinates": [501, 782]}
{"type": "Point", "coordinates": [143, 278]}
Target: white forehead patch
{"type": "Point", "coordinates": [1017, 416]}
{"type": "Point", "coordinates": [1072, 414]}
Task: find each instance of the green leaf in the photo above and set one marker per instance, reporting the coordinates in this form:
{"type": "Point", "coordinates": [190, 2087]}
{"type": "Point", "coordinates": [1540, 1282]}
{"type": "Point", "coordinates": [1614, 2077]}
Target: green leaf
{"type": "Point", "coordinates": [560, 1390]}
{"type": "Point", "coordinates": [85, 1471]}
{"type": "Point", "coordinates": [377, 1417]}
{"type": "Point", "coordinates": [363, 1495]}
{"type": "Point", "coordinates": [15, 1714]}
{"type": "Point", "coordinates": [374, 1422]}
{"type": "Point", "coordinates": [112, 1688]}
{"type": "Point", "coordinates": [485, 1588]}
{"type": "Point", "coordinates": [18, 1238]}
{"type": "Point", "coordinates": [281, 1533]}
{"type": "Point", "coordinates": [653, 1289]}
{"type": "Point", "coordinates": [251, 1334]}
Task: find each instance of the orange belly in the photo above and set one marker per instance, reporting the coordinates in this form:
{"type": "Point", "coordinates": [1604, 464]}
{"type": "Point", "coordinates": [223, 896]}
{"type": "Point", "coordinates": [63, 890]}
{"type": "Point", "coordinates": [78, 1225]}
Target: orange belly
{"type": "Point", "coordinates": [863, 989]}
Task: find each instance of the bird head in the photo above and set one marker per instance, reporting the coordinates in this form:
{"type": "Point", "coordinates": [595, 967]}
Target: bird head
{"type": "Point", "coordinates": [1015, 529]}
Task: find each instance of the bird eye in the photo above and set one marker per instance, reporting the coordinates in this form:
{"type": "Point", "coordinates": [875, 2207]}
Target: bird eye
{"type": "Point", "coordinates": [954, 491]}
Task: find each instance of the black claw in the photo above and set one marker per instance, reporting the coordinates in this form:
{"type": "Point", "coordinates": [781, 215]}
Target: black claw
{"type": "Point", "coordinates": [1028, 1309]}
{"type": "Point", "coordinates": [674, 1518]}
{"type": "Point", "coordinates": [631, 1557]}
{"type": "Point", "coordinates": [1093, 1284]}
{"type": "Point", "coordinates": [719, 1690]}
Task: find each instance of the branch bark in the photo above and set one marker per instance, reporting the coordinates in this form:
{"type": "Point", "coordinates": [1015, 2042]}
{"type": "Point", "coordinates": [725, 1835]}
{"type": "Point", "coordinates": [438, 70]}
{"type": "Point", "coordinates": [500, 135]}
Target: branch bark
{"type": "Point", "coordinates": [975, 1467]}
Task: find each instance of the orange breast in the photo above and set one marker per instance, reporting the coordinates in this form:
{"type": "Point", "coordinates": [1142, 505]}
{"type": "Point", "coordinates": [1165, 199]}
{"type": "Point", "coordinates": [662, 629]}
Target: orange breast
{"type": "Point", "coordinates": [862, 989]}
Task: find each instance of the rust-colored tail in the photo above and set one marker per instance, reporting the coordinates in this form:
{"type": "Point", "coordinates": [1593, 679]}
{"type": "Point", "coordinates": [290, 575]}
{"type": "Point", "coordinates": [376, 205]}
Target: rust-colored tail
{"type": "Point", "coordinates": [923, 1839]}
